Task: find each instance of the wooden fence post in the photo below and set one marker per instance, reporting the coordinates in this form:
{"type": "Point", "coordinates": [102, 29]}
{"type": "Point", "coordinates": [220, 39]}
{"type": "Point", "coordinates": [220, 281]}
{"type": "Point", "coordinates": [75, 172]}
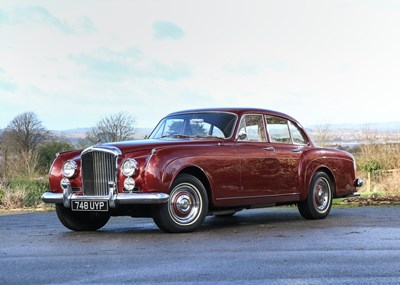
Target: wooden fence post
{"type": "Point", "coordinates": [369, 182]}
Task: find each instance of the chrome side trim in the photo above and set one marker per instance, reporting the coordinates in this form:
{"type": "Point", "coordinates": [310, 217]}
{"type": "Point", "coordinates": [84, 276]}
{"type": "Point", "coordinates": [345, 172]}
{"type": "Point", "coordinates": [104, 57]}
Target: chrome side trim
{"type": "Point", "coordinates": [260, 196]}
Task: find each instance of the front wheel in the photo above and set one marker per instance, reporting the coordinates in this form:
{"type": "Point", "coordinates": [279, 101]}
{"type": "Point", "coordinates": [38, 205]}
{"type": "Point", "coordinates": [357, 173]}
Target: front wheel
{"type": "Point", "coordinates": [81, 221]}
{"type": "Point", "coordinates": [319, 199]}
{"type": "Point", "coordinates": [186, 208]}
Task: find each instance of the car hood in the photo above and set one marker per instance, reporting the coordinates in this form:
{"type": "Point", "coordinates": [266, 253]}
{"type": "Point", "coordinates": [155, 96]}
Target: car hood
{"type": "Point", "coordinates": [149, 144]}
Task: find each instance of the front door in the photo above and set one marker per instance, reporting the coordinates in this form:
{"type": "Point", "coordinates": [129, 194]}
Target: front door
{"type": "Point", "coordinates": [258, 161]}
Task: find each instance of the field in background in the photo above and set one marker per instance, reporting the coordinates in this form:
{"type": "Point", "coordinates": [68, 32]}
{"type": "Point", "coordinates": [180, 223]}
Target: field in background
{"type": "Point", "coordinates": [377, 155]}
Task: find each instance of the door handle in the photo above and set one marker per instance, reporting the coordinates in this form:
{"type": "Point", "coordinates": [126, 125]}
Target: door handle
{"type": "Point", "coordinates": [297, 149]}
{"type": "Point", "coordinates": [269, 148]}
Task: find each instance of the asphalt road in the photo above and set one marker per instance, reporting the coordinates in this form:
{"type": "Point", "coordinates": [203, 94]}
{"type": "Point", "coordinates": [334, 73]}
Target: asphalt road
{"type": "Point", "coordinates": [268, 246]}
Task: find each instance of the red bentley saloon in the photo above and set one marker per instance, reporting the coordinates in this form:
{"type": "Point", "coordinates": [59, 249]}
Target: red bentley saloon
{"type": "Point", "coordinates": [197, 163]}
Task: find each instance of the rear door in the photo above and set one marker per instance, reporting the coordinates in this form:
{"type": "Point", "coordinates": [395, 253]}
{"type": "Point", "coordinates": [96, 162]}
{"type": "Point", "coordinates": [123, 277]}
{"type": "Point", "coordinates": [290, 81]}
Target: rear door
{"type": "Point", "coordinates": [288, 141]}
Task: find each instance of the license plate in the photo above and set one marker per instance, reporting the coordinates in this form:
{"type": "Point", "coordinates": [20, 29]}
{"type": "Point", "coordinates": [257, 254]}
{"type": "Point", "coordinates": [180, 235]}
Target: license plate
{"type": "Point", "coordinates": [101, 206]}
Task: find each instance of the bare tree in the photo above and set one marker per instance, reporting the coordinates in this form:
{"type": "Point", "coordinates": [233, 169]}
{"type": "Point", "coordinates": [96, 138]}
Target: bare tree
{"type": "Point", "coordinates": [115, 127]}
{"type": "Point", "coordinates": [20, 141]}
{"type": "Point", "coordinates": [369, 139]}
{"type": "Point", "coordinates": [324, 135]}
{"type": "Point", "coordinates": [25, 133]}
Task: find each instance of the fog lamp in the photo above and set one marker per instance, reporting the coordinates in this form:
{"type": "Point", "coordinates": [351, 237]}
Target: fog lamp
{"type": "Point", "coordinates": [129, 184]}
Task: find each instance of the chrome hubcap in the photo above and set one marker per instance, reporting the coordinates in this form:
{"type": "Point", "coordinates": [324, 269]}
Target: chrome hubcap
{"type": "Point", "coordinates": [185, 204]}
{"type": "Point", "coordinates": [322, 194]}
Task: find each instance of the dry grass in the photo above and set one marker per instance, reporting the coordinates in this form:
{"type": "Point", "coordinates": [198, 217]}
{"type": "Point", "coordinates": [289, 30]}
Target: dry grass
{"type": "Point", "coordinates": [20, 193]}
{"type": "Point", "coordinates": [389, 184]}
{"type": "Point", "coordinates": [11, 198]}
{"type": "Point", "coordinates": [383, 162]}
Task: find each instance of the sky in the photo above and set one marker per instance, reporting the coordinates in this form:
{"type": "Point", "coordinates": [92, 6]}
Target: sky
{"type": "Point", "coordinates": [322, 62]}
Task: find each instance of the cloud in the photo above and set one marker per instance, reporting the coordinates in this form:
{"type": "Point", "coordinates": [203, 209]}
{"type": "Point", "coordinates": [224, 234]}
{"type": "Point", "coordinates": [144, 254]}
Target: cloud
{"type": "Point", "coordinates": [242, 69]}
{"type": "Point", "coordinates": [167, 30]}
{"type": "Point", "coordinates": [6, 85]}
{"type": "Point", "coordinates": [3, 17]}
{"type": "Point", "coordinates": [254, 69]}
{"type": "Point", "coordinates": [42, 17]}
{"type": "Point", "coordinates": [110, 65]}
{"type": "Point", "coordinates": [85, 26]}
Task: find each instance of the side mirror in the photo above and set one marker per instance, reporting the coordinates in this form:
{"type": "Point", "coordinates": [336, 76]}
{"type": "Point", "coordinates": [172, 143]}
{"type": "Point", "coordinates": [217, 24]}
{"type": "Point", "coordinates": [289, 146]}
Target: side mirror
{"type": "Point", "coordinates": [242, 136]}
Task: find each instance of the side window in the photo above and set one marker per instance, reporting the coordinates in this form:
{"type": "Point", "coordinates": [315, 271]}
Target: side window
{"type": "Point", "coordinates": [252, 129]}
{"type": "Point", "coordinates": [297, 135]}
{"type": "Point", "coordinates": [278, 130]}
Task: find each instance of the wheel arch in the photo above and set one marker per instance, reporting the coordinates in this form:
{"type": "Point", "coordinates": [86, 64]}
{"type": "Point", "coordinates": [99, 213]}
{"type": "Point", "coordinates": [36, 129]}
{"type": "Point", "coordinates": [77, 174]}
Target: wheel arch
{"type": "Point", "coordinates": [309, 176]}
{"type": "Point", "coordinates": [328, 172]}
{"type": "Point", "coordinates": [199, 174]}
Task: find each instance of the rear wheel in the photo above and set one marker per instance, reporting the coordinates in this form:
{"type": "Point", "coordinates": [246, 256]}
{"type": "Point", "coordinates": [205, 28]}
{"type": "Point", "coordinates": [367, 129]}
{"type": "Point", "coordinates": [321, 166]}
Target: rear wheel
{"type": "Point", "coordinates": [186, 208]}
{"type": "Point", "coordinates": [81, 221]}
{"type": "Point", "coordinates": [319, 200]}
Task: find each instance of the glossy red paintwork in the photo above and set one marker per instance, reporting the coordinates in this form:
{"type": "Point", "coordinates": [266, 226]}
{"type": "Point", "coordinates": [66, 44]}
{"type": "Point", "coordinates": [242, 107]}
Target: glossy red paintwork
{"type": "Point", "coordinates": [235, 174]}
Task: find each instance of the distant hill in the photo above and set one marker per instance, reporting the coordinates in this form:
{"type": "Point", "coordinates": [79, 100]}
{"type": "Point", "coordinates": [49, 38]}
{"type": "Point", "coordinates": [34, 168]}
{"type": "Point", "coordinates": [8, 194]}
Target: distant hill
{"type": "Point", "coordinates": [384, 127]}
{"type": "Point", "coordinates": [77, 134]}
{"type": "Point", "coordinates": [345, 131]}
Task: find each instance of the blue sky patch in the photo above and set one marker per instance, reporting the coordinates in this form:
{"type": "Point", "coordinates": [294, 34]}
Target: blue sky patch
{"type": "Point", "coordinates": [112, 65]}
{"type": "Point", "coordinates": [167, 30]}
{"type": "Point", "coordinates": [40, 15]}
{"type": "Point", "coordinates": [7, 86]}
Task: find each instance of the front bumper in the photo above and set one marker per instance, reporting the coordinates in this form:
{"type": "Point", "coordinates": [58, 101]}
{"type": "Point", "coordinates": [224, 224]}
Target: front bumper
{"type": "Point", "coordinates": [114, 199]}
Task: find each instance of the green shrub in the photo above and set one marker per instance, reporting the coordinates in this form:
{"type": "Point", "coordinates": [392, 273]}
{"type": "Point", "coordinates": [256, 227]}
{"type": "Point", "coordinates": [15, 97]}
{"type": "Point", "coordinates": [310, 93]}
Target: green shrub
{"type": "Point", "coordinates": [23, 192]}
{"type": "Point", "coordinates": [371, 166]}
{"type": "Point", "coordinates": [47, 153]}
{"type": "Point", "coordinates": [1, 195]}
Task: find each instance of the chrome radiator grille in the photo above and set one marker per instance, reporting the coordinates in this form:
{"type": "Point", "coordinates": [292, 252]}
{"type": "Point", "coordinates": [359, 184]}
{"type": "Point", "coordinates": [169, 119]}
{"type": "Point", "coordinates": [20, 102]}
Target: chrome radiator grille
{"type": "Point", "coordinates": [98, 168]}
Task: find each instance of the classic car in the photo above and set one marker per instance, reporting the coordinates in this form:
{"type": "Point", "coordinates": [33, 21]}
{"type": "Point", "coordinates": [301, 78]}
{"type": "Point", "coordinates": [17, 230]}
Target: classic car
{"type": "Point", "coordinates": [197, 163]}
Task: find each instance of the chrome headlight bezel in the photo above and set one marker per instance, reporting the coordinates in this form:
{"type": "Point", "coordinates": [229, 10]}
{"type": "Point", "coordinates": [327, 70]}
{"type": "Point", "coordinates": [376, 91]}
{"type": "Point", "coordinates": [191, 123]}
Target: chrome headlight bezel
{"type": "Point", "coordinates": [129, 167]}
{"type": "Point", "coordinates": [69, 168]}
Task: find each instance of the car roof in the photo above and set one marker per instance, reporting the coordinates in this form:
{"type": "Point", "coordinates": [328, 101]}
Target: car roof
{"type": "Point", "coordinates": [238, 110]}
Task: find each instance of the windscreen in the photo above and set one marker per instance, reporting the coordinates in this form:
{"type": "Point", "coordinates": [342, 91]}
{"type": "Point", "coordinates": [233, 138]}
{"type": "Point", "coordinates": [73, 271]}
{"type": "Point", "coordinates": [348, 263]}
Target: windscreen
{"type": "Point", "coordinates": [196, 125]}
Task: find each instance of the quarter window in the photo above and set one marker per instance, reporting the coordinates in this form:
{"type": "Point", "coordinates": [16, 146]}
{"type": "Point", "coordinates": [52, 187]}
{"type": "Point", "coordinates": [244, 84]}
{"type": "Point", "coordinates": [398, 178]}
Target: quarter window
{"type": "Point", "coordinates": [278, 130]}
{"type": "Point", "coordinates": [252, 129]}
{"type": "Point", "coordinates": [297, 134]}
{"type": "Point", "coordinates": [281, 130]}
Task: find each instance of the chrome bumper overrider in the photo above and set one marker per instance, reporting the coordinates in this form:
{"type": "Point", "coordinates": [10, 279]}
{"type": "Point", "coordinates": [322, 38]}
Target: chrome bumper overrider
{"type": "Point", "coordinates": [113, 198]}
{"type": "Point", "coordinates": [358, 182]}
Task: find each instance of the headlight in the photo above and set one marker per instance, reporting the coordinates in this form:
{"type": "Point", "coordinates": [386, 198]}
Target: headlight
{"type": "Point", "coordinates": [129, 167]}
{"type": "Point", "coordinates": [129, 184]}
{"type": "Point", "coordinates": [69, 168]}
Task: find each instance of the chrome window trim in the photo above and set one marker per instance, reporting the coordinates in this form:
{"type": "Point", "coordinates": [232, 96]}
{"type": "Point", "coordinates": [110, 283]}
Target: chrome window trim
{"type": "Point", "coordinates": [264, 124]}
{"type": "Point", "coordinates": [202, 112]}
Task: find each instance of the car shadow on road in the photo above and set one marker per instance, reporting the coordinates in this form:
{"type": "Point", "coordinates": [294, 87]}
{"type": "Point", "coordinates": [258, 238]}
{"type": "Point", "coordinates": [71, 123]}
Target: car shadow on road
{"type": "Point", "coordinates": [277, 219]}
{"type": "Point", "coordinates": [247, 220]}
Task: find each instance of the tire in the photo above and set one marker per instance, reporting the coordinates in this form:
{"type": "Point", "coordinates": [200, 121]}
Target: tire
{"type": "Point", "coordinates": [319, 199]}
{"type": "Point", "coordinates": [186, 208]}
{"type": "Point", "coordinates": [81, 221]}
